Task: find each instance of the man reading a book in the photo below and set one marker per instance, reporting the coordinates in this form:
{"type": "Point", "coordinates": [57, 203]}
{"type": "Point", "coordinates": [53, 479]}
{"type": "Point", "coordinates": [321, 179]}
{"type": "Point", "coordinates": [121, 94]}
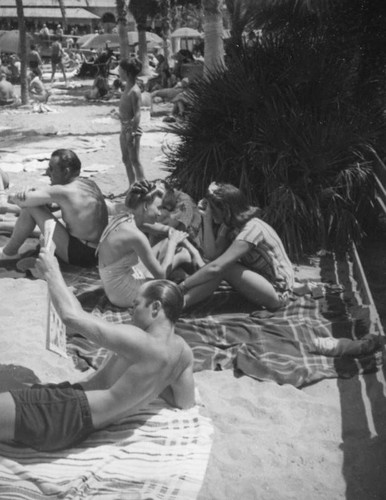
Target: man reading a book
{"type": "Point", "coordinates": [147, 359]}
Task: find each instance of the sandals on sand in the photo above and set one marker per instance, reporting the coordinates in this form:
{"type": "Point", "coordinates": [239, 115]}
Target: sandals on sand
{"type": "Point", "coordinates": [4, 256]}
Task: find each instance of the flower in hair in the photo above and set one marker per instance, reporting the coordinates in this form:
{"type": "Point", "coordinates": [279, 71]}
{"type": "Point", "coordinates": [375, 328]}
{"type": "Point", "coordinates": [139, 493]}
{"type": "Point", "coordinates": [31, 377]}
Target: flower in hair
{"type": "Point", "coordinates": [213, 187]}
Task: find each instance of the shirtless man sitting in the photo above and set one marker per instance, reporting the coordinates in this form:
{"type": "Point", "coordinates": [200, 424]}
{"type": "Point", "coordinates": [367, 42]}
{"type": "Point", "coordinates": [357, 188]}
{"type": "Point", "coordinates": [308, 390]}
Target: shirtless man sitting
{"type": "Point", "coordinates": [147, 360]}
{"type": "Point", "coordinates": [82, 206]}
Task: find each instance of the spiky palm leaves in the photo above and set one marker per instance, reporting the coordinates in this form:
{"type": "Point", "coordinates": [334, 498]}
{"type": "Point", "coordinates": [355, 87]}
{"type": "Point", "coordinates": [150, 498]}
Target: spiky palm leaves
{"type": "Point", "coordinates": [283, 122]}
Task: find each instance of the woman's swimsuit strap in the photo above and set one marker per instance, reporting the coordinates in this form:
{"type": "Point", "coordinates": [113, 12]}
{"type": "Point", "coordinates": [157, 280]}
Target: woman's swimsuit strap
{"type": "Point", "coordinates": [113, 224]}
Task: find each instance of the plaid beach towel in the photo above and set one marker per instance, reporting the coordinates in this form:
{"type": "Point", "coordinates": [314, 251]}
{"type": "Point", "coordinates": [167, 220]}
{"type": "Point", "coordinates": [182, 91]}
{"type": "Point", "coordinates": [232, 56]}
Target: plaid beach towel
{"type": "Point", "coordinates": [159, 453]}
{"type": "Point", "coordinates": [310, 339]}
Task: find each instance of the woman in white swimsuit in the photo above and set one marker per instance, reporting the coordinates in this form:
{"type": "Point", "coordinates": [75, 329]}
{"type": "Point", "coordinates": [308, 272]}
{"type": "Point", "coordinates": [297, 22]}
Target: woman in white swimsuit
{"type": "Point", "coordinates": [126, 259]}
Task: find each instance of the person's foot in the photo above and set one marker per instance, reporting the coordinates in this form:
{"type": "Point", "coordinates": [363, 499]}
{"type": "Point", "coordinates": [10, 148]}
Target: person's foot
{"type": "Point", "coordinates": [5, 256]}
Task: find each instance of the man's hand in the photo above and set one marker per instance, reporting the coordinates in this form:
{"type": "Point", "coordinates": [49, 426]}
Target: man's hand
{"type": "Point", "coordinates": [47, 263]}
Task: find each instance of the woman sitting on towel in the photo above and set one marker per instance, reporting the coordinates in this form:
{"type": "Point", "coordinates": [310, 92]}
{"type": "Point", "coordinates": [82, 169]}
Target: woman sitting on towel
{"type": "Point", "coordinates": [244, 250]}
{"type": "Point", "coordinates": [126, 259]}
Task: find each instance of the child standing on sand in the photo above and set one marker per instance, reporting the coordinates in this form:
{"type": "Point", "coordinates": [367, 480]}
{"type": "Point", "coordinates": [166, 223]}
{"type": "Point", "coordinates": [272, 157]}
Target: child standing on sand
{"type": "Point", "coordinates": [130, 115]}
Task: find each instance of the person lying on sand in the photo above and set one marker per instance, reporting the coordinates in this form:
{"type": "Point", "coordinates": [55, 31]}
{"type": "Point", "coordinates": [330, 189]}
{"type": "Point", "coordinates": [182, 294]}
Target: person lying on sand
{"type": "Point", "coordinates": [123, 245]}
{"type": "Point", "coordinates": [147, 360]}
{"type": "Point", "coordinates": [244, 250]}
{"type": "Point", "coordinates": [83, 211]}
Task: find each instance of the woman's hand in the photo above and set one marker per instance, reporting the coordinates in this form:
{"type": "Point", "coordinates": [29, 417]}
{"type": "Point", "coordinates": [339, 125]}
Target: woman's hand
{"type": "Point", "coordinates": [176, 236]}
{"type": "Point", "coordinates": [206, 212]}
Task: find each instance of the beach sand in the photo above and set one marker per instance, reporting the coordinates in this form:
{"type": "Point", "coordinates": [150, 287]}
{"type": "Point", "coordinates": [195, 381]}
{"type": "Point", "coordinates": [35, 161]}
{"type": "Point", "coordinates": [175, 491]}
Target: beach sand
{"type": "Point", "coordinates": [271, 442]}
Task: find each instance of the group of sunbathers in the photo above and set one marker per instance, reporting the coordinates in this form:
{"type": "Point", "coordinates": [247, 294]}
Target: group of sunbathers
{"type": "Point", "coordinates": [137, 250]}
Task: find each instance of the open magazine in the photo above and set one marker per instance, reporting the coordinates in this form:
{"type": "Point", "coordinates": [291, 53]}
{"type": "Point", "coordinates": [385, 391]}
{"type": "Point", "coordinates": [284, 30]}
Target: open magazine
{"type": "Point", "coordinates": [56, 330]}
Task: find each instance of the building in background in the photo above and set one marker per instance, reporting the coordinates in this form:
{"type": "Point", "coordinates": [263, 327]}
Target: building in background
{"type": "Point", "coordinates": [84, 15]}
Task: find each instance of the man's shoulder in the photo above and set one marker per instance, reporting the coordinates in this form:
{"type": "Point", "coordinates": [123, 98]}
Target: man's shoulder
{"type": "Point", "coordinates": [87, 185]}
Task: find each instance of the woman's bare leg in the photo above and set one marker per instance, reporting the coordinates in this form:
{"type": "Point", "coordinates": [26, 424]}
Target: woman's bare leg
{"type": "Point", "coordinates": [253, 286]}
{"type": "Point", "coordinates": [249, 283]}
{"type": "Point", "coordinates": [202, 292]}
{"type": "Point", "coordinates": [181, 257]}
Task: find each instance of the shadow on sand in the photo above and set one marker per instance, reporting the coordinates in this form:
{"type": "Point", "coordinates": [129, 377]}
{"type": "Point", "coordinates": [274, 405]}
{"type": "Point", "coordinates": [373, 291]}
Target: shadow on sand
{"type": "Point", "coordinates": [363, 410]}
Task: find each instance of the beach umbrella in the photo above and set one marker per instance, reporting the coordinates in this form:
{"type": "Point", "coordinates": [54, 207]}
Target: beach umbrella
{"type": "Point", "coordinates": [9, 41]}
{"type": "Point", "coordinates": [186, 33]}
{"type": "Point", "coordinates": [100, 41]}
{"type": "Point", "coordinates": [150, 37]}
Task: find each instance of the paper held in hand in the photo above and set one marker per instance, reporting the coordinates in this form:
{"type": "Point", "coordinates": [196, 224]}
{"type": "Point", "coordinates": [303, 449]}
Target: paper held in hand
{"type": "Point", "coordinates": [56, 330]}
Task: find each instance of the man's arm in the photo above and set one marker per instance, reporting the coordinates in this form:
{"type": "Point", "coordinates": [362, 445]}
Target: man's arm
{"type": "Point", "coordinates": [130, 344]}
{"type": "Point", "coordinates": [37, 197]}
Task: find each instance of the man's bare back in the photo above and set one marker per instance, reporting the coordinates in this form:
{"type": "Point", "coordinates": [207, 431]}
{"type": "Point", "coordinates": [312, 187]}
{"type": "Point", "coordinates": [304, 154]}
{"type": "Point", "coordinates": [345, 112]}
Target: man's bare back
{"type": "Point", "coordinates": [121, 386]}
{"type": "Point", "coordinates": [83, 209]}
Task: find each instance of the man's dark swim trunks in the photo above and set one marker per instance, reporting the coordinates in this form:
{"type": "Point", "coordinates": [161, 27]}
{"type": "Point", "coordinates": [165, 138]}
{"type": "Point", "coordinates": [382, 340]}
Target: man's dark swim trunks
{"type": "Point", "coordinates": [81, 253]}
{"type": "Point", "coordinates": [52, 416]}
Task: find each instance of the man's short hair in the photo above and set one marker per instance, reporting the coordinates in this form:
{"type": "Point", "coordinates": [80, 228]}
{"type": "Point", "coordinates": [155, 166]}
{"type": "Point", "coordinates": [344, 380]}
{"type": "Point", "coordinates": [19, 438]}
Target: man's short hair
{"type": "Point", "coordinates": [170, 296]}
{"type": "Point", "coordinates": [68, 159]}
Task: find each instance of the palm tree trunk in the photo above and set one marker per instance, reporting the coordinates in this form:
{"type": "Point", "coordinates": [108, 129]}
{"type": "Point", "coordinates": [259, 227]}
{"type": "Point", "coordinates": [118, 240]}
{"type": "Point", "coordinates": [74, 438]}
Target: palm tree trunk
{"type": "Point", "coordinates": [23, 52]}
{"type": "Point", "coordinates": [142, 50]}
{"type": "Point", "coordinates": [213, 32]}
{"type": "Point", "coordinates": [63, 11]}
{"type": "Point", "coordinates": [122, 28]}
{"type": "Point", "coordinates": [166, 28]}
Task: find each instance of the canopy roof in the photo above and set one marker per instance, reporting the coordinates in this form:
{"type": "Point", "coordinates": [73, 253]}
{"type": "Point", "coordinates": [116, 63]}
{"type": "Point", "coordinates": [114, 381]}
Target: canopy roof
{"type": "Point", "coordinates": [68, 3]}
{"type": "Point", "coordinates": [51, 13]}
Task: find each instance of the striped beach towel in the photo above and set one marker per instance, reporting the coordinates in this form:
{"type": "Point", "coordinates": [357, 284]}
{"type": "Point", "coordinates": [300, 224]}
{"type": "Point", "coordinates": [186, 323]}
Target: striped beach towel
{"type": "Point", "coordinates": [159, 453]}
{"type": "Point", "coordinates": [309, 340]}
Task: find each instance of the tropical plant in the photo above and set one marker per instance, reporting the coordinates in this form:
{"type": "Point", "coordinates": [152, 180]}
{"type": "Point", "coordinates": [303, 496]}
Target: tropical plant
{"type": "Point", "coordinates": [284, 123]}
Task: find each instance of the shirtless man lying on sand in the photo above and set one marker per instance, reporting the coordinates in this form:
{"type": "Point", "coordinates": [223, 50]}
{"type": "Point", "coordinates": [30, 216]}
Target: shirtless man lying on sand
{"type": "Point", "coordinates": [147, 359]}
{"type": "Point", "coordinates": [82, 206]}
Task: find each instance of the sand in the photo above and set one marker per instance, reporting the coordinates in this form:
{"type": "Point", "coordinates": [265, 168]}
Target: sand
{"type": "Point", "coordinates": [271, 442]}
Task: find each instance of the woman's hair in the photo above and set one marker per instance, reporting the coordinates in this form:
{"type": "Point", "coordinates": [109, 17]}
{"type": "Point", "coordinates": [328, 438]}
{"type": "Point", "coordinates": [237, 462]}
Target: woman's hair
{"type": "Point", "coordinates": [132, 67]}
{"type": "Point", "coordinates": [233, 204]}
{"type": "Point", "coordinates": [68, 159]}
{"type": "Point", "coordinates": [168, 294]}
{"type": "Point", "coordinates": [142, 192]}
